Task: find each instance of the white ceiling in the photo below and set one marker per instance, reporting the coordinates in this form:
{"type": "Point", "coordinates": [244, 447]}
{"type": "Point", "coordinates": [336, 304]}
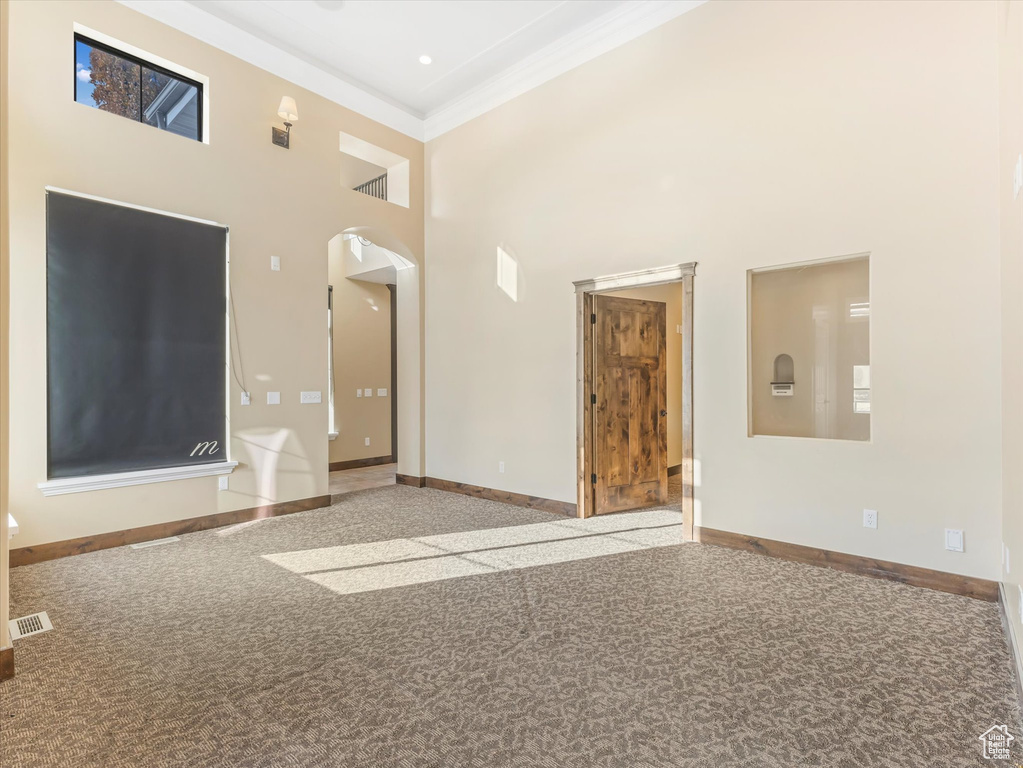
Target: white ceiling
{"type": "Point", "coordinates": [376, 44]}
{"type": "Point", "coordinates": [364, 54]}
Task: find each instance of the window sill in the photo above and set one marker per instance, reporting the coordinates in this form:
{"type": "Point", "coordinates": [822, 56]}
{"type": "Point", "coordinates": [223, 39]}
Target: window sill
{"type": "Point", "coordinates": [332, 435]}
{"type": "Point", "coordinates": [64, 485]}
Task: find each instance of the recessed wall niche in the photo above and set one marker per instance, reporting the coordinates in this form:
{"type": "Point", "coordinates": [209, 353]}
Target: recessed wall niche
{"type": "Point", "coordinates": [809, 349]}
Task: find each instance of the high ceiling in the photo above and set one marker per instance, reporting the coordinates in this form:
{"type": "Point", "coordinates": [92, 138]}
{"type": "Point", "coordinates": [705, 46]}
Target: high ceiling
{"type": "Point", "coordinates": [376, 44]}
{"type": "Point", "coordinates": [365, 54]}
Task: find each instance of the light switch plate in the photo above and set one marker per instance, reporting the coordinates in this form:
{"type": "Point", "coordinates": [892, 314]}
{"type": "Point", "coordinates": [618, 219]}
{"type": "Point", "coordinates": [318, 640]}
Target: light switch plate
{"type": "Point", "coordinates": [311, 397]}
{"type": "Point", "coordinates": [358, 393]}
{"type": "Point", "coordinates": [246, 398]}
{"type": "Point", "coordinates": [222, 482]}
{"type": "Point", "coordinates": [381, 393]}
{"type": "Point", "coordinates": [275, 263]}
{"type": "Point", "coordinates": [368, 392]}
{"type": "Point", "coordinates": [953, 540]}
{"type": "Point", "coordinates": [273, 398]}
{"type": "Point", "coordinates": [500, 467]}
{"type": "Point", "coordinates": [367, 441]}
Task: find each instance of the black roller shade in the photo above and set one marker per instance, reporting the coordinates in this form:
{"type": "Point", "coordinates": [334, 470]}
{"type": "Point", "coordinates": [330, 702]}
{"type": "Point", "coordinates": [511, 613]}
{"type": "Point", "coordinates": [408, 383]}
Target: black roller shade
{"type": "Point", "coordinates": [135, 338]}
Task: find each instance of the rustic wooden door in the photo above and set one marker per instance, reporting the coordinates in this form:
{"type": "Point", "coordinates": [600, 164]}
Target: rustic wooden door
{"type": "Point", "coordinates": [630, 431]}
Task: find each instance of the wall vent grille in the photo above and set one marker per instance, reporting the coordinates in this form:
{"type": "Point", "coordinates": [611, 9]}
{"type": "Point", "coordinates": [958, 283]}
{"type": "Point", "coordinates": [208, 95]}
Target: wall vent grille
{"type": "Point", "coordinates": [29, 625]}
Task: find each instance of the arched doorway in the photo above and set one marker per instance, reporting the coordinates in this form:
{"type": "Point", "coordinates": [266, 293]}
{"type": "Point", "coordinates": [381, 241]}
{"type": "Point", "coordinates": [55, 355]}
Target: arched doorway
{"type": "Point", "coordinates": [404, 273]}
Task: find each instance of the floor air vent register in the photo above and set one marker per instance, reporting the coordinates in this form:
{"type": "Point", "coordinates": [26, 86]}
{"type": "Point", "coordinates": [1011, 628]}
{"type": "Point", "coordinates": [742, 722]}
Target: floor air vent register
{"type": "Point", "coordinates": [30, 625]}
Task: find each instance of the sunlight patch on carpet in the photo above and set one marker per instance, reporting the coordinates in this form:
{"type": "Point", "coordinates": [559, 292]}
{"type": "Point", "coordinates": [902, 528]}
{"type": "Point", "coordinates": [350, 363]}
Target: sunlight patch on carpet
{"type": "Point", "coordinates": [401, 562]}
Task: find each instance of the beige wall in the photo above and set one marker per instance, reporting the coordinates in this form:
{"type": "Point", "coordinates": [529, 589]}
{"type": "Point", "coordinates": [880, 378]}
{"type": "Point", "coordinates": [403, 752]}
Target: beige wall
{"type": "Point", "coordinates": [671, 296]}
{"type": "Point", "coordinates": [742, 135]}
{"type": "Point", "coordinates": [277, 202]}
{"type": "Point", "coordinates": [804, 312]}
{"type": "Point", "coordinates": [4, 321]}
{"type": "Point", "coordinates": [1010, 26]}
{"type": "Point", "coordinates": [362, 360]}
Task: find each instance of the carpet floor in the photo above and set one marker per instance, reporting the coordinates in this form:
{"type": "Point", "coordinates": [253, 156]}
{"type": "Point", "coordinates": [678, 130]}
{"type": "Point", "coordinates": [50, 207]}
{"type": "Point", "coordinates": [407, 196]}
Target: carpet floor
{"type": "Point", "coordinates": [416, 628]}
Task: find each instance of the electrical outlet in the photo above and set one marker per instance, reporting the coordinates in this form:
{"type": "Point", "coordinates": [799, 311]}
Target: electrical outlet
{"type": "Point", "coordinates": [273, 398]}
{"type": "Point", "coordinates": [275, 263]}
{"type": "Point", "coordinates": [870, 518]}
{"type": "Point", "coordinates": [500, 467]}
{"type": "Point", "coordinates": [246, 398]}
{"type": "Point", "coordinates": [367, 441]}
{"type": "Point", "coordinates": [311, 397]}
{"type": "Point", "coordinates": [953, 540]}
{"type": "Point", "coordinates": [222, 482]}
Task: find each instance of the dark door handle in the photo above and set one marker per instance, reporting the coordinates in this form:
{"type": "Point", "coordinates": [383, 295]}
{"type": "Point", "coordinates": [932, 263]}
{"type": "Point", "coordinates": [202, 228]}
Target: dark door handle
{"type": "Point", "coordinates": [663, 414]}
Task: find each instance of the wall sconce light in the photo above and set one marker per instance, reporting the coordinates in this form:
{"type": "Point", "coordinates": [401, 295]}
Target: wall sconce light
{"type": "Point", "coordinates": [289, 112]}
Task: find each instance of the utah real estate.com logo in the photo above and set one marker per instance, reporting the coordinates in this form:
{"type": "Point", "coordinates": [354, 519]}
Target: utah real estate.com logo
{"type": "Point", "coordinates": [996, 740]}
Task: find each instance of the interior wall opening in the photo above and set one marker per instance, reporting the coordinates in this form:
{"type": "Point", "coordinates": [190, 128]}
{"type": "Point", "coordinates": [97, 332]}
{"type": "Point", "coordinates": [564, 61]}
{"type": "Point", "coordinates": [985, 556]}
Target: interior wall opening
{"type": "Point", "coordinates": [367, 285]}
{"type": "Point", "coordinates": [374, 171]}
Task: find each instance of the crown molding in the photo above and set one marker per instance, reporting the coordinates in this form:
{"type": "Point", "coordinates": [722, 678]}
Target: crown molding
{"type": "Point", "coordinates": [615, 28]}
{"type": "Point", "coordinates": [601, 35]}
{"type": "Point", "coordinates": [223, 35]}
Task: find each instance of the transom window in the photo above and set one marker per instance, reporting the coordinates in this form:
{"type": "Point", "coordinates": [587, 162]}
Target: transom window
{"type": "Point", "coordinates": [118, 82]}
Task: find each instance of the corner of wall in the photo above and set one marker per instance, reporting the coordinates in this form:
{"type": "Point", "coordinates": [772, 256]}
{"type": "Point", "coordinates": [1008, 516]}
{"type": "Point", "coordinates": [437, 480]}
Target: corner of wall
{"type": "Point", "coordinates": [5, 640]}
{"type": "Point", "coordinates": [1010, 155]}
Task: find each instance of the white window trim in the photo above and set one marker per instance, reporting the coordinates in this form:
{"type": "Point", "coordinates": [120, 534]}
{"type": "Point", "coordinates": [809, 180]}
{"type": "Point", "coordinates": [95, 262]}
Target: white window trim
{"type": "Point", "coordinates": [62, 485]}
{"type": "Point", "coordinates": [159, 61]}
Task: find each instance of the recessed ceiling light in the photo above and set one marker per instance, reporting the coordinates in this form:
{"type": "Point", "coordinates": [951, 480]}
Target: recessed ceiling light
{"type": "Point", "coordinates": [424, 59]}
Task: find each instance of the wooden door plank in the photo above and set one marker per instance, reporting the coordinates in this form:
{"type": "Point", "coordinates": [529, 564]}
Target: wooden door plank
{"type": "Point", "coordinates": [623, 325]}
{"type": "Point", "coordinates": [644, 442]}
{"type": "Point", "coordinates": [585, 410]}
{"type": "Point", "coordinates": [631, 376]}
{"type": "Point", "coordinates": [616, 433]}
